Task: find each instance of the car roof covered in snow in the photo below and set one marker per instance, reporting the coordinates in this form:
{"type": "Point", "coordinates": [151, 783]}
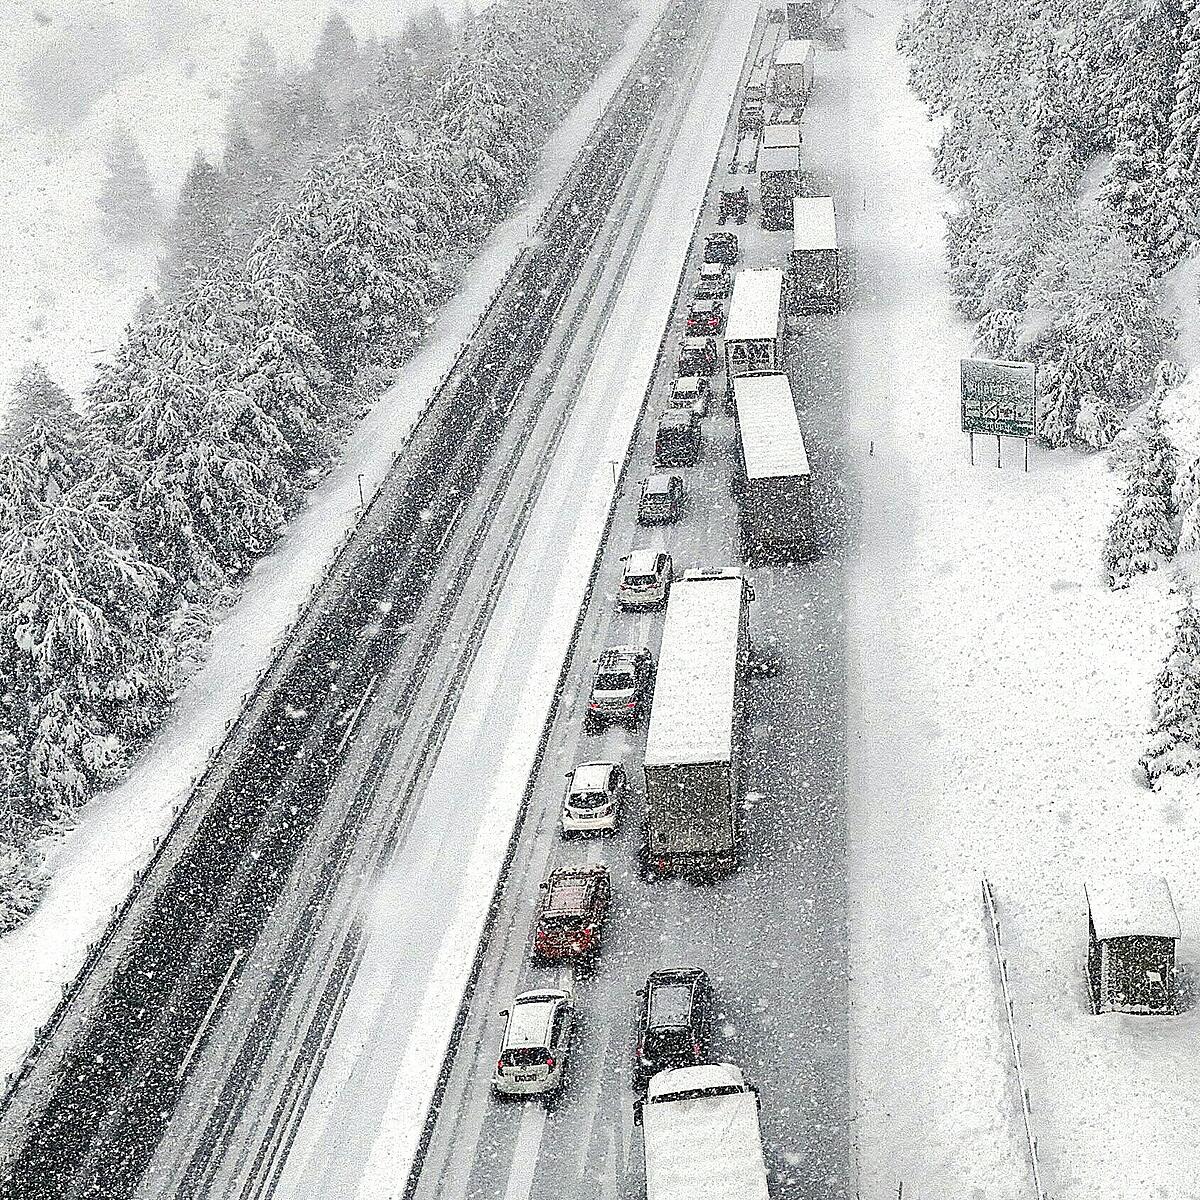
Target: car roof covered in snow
{"type": "Point", "coordinates": [754, 306]}
{"type": "Point", "coordinates": [1131, 906]}
{"type": "Point", "coordinates": [641, 562]}
{"type": "Point", "coordinates": [691, 717]}
{"type": "Point", "coordinates": [591, 777]}
{"type": "Point", "coordinates": [772, 444]}
{"type": "Point", "coordinates": [658, 485]}
{"type": "Point", "coordinates": [529, 1019]}
{"type": "Point", "coordinates": [814, 223]}
{"type": "Point", "coordinates": [793, 52]}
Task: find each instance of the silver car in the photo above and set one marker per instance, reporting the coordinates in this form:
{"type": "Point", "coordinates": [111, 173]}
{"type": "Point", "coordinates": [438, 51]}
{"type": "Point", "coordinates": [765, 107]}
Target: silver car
{"type": "Point", "coordinates": [536, 1044]}
{"type": "Point", "coordinates": [595, 792]}
{"type": "Point", "coordinates": [646, 580]}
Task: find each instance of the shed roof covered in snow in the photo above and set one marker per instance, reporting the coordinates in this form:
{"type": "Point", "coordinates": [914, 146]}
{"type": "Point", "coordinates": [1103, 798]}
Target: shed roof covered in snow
{"type": "Point", "coordinates": [772, 445]}
{"type": "Point", "coordinates": [754, 305]}
{"type": "Point", "coordinates": [695, 691]}
{"type": "Point", "coordinates": [1131, 906]}
{"type": "Point", "coordinates": [814, 224]}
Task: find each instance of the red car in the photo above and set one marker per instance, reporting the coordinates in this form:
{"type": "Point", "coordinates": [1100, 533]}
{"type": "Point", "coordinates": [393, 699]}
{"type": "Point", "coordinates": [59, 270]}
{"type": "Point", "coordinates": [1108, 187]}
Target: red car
{"type": "Point", "coordinates": [571, 913]}
{"type": "Point", "coordinates": [705, 317]}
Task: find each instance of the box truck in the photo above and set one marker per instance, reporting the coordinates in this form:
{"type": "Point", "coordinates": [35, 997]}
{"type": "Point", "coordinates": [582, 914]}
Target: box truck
{"type": "Point", "coordinates": [816, 262]}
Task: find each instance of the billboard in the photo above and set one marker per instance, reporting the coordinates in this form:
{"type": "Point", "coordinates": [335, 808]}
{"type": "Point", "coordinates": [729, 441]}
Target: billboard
{"type": "Point", "coordinates": [998, 397]}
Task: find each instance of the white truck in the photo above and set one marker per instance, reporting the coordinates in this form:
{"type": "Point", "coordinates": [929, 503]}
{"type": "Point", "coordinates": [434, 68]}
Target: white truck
{"type": "Point", "coordinates": [694, 744]}
{"type": "Point", "coordinates": [793, 72]}
{"type": "Point", "coordinates": [701, 1135]}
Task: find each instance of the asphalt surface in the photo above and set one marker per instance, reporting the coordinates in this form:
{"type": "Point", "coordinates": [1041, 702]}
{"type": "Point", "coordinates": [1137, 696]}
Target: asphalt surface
{"type": "Point", "coordinates": [87, 1119]}
{"type": "Point", "coordinates": [772, 936]}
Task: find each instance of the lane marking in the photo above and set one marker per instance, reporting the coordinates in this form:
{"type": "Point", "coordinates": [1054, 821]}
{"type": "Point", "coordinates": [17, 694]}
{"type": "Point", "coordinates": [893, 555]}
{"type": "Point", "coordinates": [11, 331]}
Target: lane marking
{"type": "Point", "coordinates": [212, 1008]}
{"type": "Point", "coordinates": [353, 722]}
{"type": "Point", "coordinates": [526, 1150]}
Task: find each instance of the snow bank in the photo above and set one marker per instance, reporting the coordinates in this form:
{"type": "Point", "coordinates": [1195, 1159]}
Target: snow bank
{"type": "Point", "coordinates": [999, 700]}
{"type": "Point", "coordinates": [93, 865]}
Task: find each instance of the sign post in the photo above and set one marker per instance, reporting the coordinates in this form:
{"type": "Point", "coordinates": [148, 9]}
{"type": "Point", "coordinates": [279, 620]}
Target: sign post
{"type": "Point", "coordinates": [999, 398]}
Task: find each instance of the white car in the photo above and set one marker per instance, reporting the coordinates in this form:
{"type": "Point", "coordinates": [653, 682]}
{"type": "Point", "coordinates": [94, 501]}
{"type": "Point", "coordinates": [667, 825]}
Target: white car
{"type": "Point", "coordinates": [691, 391]}
{"type": "Point", "coordinates": [535, 1045]}
{"type": "Point", "coordinates": [714, 282]}
{"type": "Point", "coordinates": [646, 581]}
{"type": "Point", "coordinates": [595, 792]}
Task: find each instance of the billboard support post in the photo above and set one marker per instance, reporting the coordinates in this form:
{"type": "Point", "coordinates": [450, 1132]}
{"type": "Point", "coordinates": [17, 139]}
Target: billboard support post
{"type": "Point", "coordinates": [997, 452]}
{"type": "Point", "coordinates": [1026, 456]}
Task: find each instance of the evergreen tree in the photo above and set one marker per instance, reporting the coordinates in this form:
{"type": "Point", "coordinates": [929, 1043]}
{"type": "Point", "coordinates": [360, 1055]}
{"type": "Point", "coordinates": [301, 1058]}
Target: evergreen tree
{"type": "Point", "coordinates": [998, 333]}
{"type": "Point", "coordinates": [127, 201]}
{"type": "Point", "coordinates": [1096, 423]}
{"type": "Point", "coordinates": [1175, 735]}
{"type": "Point", "coordinates": [42, 427]}
{"type": "Point", "coordinates": [1141, 535]}
{"type": "Point", "coordinates": [1131, 186]}
{"type": "Point", "coordinates": [198, 239]}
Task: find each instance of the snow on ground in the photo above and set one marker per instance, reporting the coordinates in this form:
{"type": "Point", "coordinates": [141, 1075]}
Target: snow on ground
{"type": "Point", "coordinates": [93, 865]}
{"type": "Point", "coordinates": [71, 71]}
{"type": "Point", "coordinates": [999, 697]}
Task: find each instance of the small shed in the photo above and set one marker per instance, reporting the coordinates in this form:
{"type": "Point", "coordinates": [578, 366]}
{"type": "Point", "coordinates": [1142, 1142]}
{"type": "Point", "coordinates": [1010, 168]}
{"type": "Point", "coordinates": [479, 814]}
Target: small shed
{"type": "Point", "coordinates": [1132, 931]}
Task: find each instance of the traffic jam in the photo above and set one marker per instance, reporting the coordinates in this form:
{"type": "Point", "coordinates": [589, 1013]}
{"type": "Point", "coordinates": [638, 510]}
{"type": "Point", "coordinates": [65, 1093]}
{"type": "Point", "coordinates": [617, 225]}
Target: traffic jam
{"type": "Point", "coordinates": [687, 793]}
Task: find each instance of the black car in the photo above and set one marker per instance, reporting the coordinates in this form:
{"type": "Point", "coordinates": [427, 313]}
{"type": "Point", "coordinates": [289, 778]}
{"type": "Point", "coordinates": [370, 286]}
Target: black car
{"type": "Point", "coordinates": [621, 688]}
{"type": "Point", "coordinates": [721, 248]}
{"type": "Point", "coordinates": [673, 1028]}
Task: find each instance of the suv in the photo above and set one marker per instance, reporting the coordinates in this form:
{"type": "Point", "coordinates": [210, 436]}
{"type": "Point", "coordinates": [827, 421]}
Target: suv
{"type": "Point", "coordinates": [571, 914]}
{"type": "Point", "coordinates": [661, 499]}
{"type": "Point", "coordinates": [721, 248]}
{"type": "Point", "coordinates": [704, 317]}
{"type": "Point", "coordinates": [677, 440]}
{"type": "Point", "coordinates": [646, 581]}
{"type": "Point", "coordinates": [595, 792]}
{"type": "Point", "coordinates": [673, 1027]}
{"type": "Point", "coordinates": [535, 1044]}
{"type": "Point", "coordinates": [713, 282]}
{"type": "Point", "coordinates": [622, 686]}
{"type": "Point", "coordinates": [698, 356]}
{"type": "Point", "coordinates": [691, 391]}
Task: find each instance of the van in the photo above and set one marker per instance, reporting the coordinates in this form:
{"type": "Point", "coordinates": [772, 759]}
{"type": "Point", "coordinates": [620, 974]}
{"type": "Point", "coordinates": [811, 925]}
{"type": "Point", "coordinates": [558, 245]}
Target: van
{"type": "Point", "coordinates": [677, 442]}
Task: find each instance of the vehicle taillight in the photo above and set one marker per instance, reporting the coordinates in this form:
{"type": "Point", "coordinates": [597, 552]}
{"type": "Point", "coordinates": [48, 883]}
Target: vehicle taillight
{"type": "Point", "coordinates": [499, 1065]}
{"type": "Point", "coordinates": [631, 704]}
{"type": "Point", "coordinates": [695, 1048]}
{"type": "Point", "coordinates": [550, 1061]}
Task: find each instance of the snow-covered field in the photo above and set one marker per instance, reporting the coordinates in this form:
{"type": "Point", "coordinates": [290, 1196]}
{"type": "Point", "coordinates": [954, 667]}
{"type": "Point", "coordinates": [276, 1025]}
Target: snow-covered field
{"type": "Point", "coordinates": [1000, 695]}
{"type": "Point", "coordinates": [92, 867]}
{"type": "Point", "coordinates": [71, 73]}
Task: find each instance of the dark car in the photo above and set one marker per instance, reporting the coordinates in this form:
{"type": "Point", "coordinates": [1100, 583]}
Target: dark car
{"type": "Point", "coordinates": [704, 317]}
{"type": "Point", "coordinates": [698, 356]}
{"type": "Point", "coordinates": [675, 1020]}
{"type": "Point", "coordinates": [677, 440]}
{"type": "Point", "coordinates": [721, 248]}
{"type": "Point", "coordinates": [571, 914]}
{"type": "Point", "coordinates": [661, 500]}
{"type": "Point", "coordinates": [621, 688]}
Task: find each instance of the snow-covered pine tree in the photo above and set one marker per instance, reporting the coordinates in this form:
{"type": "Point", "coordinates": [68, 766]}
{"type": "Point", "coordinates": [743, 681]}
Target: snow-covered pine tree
{"type": "Point", "coordinates": [998, 333]}
{"type": "Point", "coordinates": [198, 238]}
{"type": "Point", "coordinates": [1059, 383]}
{"type": "Point", "coordinates": [1175, 734]}
{"type": "Point", "coordinates": [1141, 535]}
{"type": "Point", "coordinates": [1183, 142]}
{"type": "Point", "coordinates": [1097, 422]}
{"type": "Point", "coordinates": [127, 201]}
{"type": "Point", "coordinates": [1131, 185]}
{"type": "Point", "coordinates": [79, 616]}
{"type": "Point", "coordinates": [41, 426]}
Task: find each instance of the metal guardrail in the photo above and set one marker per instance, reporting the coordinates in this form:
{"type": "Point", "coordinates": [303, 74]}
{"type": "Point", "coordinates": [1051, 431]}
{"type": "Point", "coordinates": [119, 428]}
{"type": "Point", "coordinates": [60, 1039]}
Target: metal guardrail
{"type": "Point", "coordinates": [989, 908]}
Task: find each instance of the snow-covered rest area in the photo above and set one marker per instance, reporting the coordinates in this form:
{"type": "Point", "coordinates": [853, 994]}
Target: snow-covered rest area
{"type": "Point", "coordinates": [93, 864]}
{"type": "Point", "coordinates": [1001, 698]}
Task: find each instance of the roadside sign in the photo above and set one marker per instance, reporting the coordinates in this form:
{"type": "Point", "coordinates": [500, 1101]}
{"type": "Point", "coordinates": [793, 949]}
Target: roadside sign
{"type": "Point", "coordinates": [998, 398]}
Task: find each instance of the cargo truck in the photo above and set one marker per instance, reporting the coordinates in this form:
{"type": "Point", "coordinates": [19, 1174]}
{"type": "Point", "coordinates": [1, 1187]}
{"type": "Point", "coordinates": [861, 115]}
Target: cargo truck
{"type": "Point", "coordinates": [693, 754]}
{"type": "Point", "coordinates": [778, 184]}
{"type": "Point", "coordinates": [701, 1135]}
{"type": "Point", "coordinates": [816, 262]}
{"type": "Point", "coordinates": [754, 328]}
{"type": "Point", "coordinates": [793, 72]}
{"type": "Point", "coordinates": [772, 481]}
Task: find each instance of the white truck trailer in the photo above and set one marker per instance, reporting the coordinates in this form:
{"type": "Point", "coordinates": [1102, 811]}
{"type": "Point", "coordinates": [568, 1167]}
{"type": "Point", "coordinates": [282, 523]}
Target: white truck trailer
{"type": "Point", "coordinates": [754, 329]}
{"type": "Point", "coordinates": [772, 480]}
{"type": "Point", "coordinates": [782, 135]}
{"type": "Point", "coordinates": [701, 1135]}
{"type": "Point", "coordinates": [816, 261]}
{"type": "Point", "coordinates": [793, 71]}
{"type": "Point", "coordinates": [694, 743]}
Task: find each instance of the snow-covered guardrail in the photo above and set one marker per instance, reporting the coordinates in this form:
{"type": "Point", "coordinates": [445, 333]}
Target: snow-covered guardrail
{"type": "Point", "coordinates": [989, 908]}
